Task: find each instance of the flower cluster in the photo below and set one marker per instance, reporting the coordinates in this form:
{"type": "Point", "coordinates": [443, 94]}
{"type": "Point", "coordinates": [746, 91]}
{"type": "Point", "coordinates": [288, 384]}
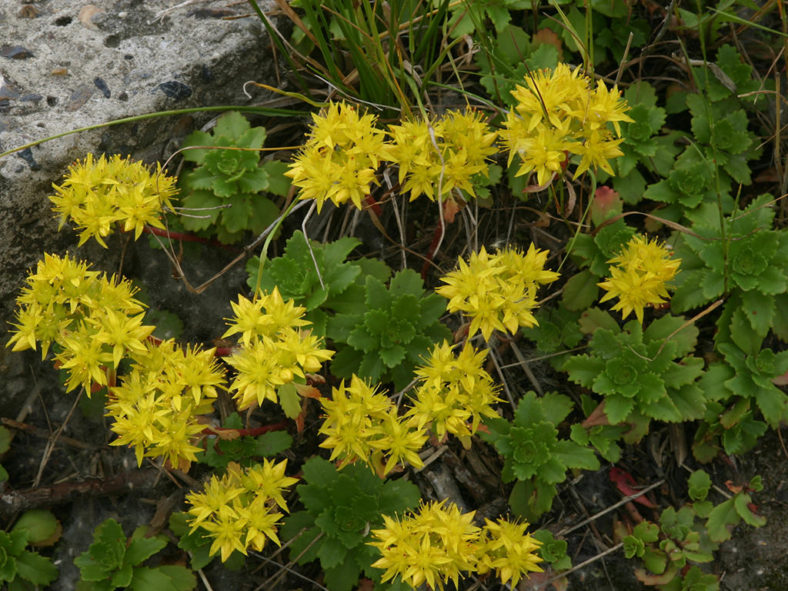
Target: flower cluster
{"type": "Point", "coordinates": [362, 425]}
{"type": "Point", "coordinates": [438, 543]}
{"type": "Point", "coordinates": [559, 113]}
{"type": "Point", "coordinates": [93, 320]}
{"type": "Point", "coordinates": [339, 159]}
{"type": "Point", "coordinates": [454, 391]}
{"type": "Point", "coordinates": [497, 291]}
{"type": "Point", "coordinates": [156, 408]}
{"type": "Point", "coordinates": [274, 352]}
{"type": "Point", "coordinates": [96, 194]}
{"type": "Point", "coordinates": [241, 509]}
{"type": "Point", "coordinates": [437, 157]}
{"type": "Point", "coordinates": [638, 276]}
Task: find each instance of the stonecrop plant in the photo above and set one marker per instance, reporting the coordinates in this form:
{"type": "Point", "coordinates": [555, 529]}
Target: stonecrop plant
{"type": "Point", "coordinates": [435, 158]}
{"type": "Point", "coordinates": [439, 543]}
{"type": "Point", "coordinates": [639, 276]}
{"type": "Point", "coordinates": [497, 291]}
{"type": "Point", "coordinates": [275, 354]}
{"type": "Point", "coordinates": [241, 509]}
{"type": "Point", "coordinates": [340, 157]}
{"type": "Point", "coordinates": [384, 375]}
{"type": "Point", "coordinates": [99, 194]}
{"type": "Point", "coordinates": [361, 424]}
{"type": "Point", "coordinates": [454, 394]}
{"type": "Point", "coordinates": [558, 113]}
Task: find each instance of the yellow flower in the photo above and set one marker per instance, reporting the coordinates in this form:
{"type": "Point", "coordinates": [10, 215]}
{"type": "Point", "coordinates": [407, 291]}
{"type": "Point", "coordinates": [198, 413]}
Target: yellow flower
{"type": "Point", "coordinates": [509, 551]}
{"type": "Point", "coordinates": [241, 509]}
{"type": "Point", "coordinates": [445, 153]}
{"type": "Point", "coordinates": [557, 114]}
{"type": "Point", "coordinates": [340, 157]}
{"type": "Point", "coordinates": [453, 392]}
{"type": "Point", "coordinates": [98, 193]}
{"type": "Point", "coordinates": [432, 545]}
{"type": "Point", "coordinates": [274, 352]}
{"type": "Point", "coordinates": [497, 291]}
{"type": "Point", "coordinates": [361, 424]}
{"type": "Point", "coordinates": [639, 276]}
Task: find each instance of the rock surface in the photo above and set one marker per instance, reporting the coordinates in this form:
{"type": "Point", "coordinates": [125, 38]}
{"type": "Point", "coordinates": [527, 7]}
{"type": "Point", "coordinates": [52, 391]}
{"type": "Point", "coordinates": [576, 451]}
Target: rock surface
{"type": "Point", "coordinates": [66, 64]}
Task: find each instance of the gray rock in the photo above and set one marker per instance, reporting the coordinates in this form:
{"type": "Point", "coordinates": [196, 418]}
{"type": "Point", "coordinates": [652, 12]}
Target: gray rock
{"type": "Point", "coordinates": [75, 64]}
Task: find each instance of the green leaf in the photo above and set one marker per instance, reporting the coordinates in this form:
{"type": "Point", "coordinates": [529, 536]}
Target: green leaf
{"type": "Point", "coordinates": [331, 553]}
{"type": "Point", "coordinates": [555, 406]}
{"type": "Point", "coordinates": [232, 125]}
{"type": "Point", "coordinates": [699, 484]}
{"type": "Point", "coordinates": [594, 318]}
{"type": "Point", "coordinates": [722, 516]}
{"type": "Point", "coordinates": [573, 455]}
{"type": "Point", "coordinates": [342, 577]}
{"type": "Point", "coordinates": [141, 548]}
{"type": "Point", "coordinates": [107, 550]}
{"type": "Point", "coordinates": [584, 369]}
{"type": "Point", "coordinates": [289, 400]}
{"type": "Point", "coordinates": [274, 442]}
{"type": "Point", "coordinates": [236, 217]}
{"type": "Point", "coordinates": [580, 291]}
{"type": "Point", "coordinates": [742, 501]}
{"type": "Point", "coordinates": [392, 356]}
{"type": "Point", "coordinates": [772, 403]}
{"type": "Point", "coordinates": [122, 577]}
{"type": "Point", "coordinates": [35, 568]}
{"type": "Point", "coordinates": [161, 579]}
{"type": "Point", "coordinates": [617, 408]}
{"type": "Point", "coordinates": [742, 333]}
{"type": "Point", "coordinates": [662, 328]}
{"type": "Point", "coordinates": [37, 524]}
{"type": "Point", "coordinates": [202, 207]}
{"type": "Point", "coordinates": [759, 310]}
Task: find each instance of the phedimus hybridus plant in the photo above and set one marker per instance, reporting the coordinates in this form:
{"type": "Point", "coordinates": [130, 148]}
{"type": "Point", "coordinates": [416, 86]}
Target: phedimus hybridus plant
{"type": "Point", "coordinates": [160, 395]}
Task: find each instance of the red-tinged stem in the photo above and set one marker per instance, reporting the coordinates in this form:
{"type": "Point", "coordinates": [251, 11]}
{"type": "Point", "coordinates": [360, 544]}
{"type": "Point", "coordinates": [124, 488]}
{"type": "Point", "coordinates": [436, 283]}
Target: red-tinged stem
{"type": "Point", "coordinates": [436, 238]}
{"type": "Point", "coordinates": [281, 426]}
{"type": "Point", "coordinates": [374, 205]}
{"type": "Point", "coordinates": [185, 237]}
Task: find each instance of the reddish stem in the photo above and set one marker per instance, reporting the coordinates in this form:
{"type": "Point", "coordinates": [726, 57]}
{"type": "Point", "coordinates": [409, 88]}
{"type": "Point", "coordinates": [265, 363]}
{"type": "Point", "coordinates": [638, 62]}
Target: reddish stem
{"type": "Point", "coordinates": [281, 426]}
{"type": "Point", "coordinates": [185, 237]}
{"type": "Point", "coordinates": [436, 238]}
{"type": "Point", "coordinates": [374, 205]}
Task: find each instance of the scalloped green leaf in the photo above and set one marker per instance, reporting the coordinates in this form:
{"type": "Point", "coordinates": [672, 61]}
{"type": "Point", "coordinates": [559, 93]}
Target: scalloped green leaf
{"type": "Point", "coordinates": [580, 291]}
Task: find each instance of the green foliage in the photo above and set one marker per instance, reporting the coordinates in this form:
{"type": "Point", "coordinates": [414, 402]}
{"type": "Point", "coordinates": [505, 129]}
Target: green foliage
{"type": "Point", "coordinates": [747, 259]}
{"type": "Point", "coordinates": [689, 535]}
{"type": "Point", "coordinates": [244, 450]}
{"type": "Point", "coordinates": [721, 143]}
{"type": "Point", "coordinates": [299, 278]}
{"type": "Point", "coordinates": [593, 251]}
{"type": "Point", "coordinates": [557, 329]}
{"type": "Point", "coordinates": [533, 453]}
{"type": "Point", "coordinates": [552, 550]}
{"type": "Point", "coordinates": [388, 331]}
{"type": "Point", "coordinates": [113, 562]}
{"type": "Point", "coordinates": [340, 509]}
{"type": "Point", "coordinates": [224, 191]}
{"type": "Point", "coordinates": [354, 36]}
{"type": "Point", "coordinates": [506, 58]}
{"type": "Point", "coordinates": [599, 28]}
{"type": "Point", "coordinates": [21, 569]}
{"type": "Point", "coordinates": [643, 375]}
